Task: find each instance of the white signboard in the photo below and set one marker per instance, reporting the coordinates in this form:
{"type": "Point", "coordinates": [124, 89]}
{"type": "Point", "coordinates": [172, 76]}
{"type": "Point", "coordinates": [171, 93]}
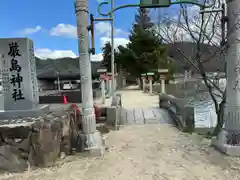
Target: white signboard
{"type": "Point", "coordinates": [102, 70]}
{"type": "Point", "coordinates": [18, 74]}
{"type": "Point", "coordinates": [163, 70]}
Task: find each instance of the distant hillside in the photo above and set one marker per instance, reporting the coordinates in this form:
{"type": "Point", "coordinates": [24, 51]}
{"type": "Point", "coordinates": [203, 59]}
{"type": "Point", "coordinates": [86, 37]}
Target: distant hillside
{"type": "Point", "coordinates": [214, 60]}
{"type": "Point", "coordinates": [70, 66]}
{"type": "Point", "coordinates": [64, 66]}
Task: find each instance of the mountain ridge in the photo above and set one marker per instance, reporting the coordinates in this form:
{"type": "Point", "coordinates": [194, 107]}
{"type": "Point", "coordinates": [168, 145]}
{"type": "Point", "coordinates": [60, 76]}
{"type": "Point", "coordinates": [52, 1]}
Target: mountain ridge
{"type": "Point", "coordinates": [70, 66]}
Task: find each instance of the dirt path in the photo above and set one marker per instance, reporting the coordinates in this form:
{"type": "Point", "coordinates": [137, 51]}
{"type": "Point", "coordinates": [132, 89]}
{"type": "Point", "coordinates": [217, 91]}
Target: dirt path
{"type": "Point", "coordinates": [149, 152]}
{"type": "Point", "coordinates": [134, 98]}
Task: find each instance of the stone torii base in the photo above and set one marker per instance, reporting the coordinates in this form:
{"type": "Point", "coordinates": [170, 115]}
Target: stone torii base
{"type": "Point", "coordinates": [220, 143]}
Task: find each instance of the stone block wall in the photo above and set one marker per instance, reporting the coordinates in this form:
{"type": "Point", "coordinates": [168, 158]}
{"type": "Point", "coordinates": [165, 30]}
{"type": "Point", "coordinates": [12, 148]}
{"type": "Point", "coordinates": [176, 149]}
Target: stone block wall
{"type": "Point", "coordinates": [33, 141]}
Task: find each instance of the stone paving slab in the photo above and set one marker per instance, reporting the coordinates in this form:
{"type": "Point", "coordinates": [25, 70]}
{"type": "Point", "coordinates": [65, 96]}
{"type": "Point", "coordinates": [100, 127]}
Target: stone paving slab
{"type": "Point", "coordinates": [142, 108]}
{"type": "Point", "coordinates": [146, 116]}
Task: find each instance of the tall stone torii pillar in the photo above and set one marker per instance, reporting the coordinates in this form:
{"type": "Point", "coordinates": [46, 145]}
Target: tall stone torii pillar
{"type": "Point", "coordinates": [228, 140]}
{"type": "Point", "coordinates": [90, 134]}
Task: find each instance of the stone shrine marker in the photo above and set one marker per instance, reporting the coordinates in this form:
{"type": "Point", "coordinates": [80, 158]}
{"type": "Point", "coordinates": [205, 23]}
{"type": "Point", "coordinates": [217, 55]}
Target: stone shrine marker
{"type": "Point", "coordinates": [20, 87]}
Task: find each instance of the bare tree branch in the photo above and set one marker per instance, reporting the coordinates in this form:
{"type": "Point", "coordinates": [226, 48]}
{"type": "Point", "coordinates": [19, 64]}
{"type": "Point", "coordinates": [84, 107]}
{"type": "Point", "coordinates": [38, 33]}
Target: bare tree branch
{"type": "Point", "coordinates": [198, 69]}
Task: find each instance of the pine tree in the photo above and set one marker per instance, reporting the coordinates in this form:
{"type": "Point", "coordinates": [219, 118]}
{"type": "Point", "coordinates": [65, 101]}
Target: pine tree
{"type": "Point", "coordinates": [145, 46]}
{"type": "Point", "coordinates": [107, 56]}
{"type": "Point", "coordinates": [145, 51]}
{"type": "Point", "coordinates": [143, 19]}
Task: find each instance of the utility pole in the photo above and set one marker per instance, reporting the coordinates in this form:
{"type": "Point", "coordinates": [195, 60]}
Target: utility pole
{"type": "Point", "coordinates": [112, 49]}
{"type": "Point", "coordinates": [91, 135]}
{"type": "Point", "coordinates": [111, 18]}
{"type": "Point", "coordinates": [58, 81]}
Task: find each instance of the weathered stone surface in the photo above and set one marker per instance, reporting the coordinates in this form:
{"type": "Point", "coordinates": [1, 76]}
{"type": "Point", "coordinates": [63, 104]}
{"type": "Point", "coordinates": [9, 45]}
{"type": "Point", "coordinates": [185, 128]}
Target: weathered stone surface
{"type": "Point", "coordinates": [182, 113]}
{"type": "Point", "coordinates": [41, 141]}
{"type": "Point", "coordinates": [11, 159]}
{"type": "Point", "coordinates": [45, 144]}
{"type": "Point", "coordinates": [116, 100]}
{"type": "Point", "coordinates": [37, 141]}
{"type": "Point", "coordinates": [100, 145]}
{"type": "Point", "coordinates": [67, 129]}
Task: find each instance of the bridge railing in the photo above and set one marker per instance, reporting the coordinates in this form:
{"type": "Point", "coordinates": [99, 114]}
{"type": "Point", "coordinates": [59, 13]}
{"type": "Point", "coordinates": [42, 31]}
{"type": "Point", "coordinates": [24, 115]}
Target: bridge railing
{"type": "Point", "coordinates": [183, 115]}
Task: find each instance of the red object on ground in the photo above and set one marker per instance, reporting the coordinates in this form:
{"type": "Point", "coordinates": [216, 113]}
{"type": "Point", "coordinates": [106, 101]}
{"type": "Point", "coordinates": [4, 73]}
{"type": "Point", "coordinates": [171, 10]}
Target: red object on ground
{"type": "Point", "coordinates": [97, 112]}
{"type": "Point", "coordinates": [75, 108]}
{"type": "Point", "coordinates": [65, 100]}
{"type": "Point", "coordinates": [102, 77]}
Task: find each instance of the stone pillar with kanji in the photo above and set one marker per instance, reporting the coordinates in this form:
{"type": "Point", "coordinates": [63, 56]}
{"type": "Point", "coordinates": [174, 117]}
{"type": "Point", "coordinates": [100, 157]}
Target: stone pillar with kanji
{"type": "Point", "coordinates": [20, 87]}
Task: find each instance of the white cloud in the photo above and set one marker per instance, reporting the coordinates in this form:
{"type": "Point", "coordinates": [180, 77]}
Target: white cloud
{"type": "Point", "coordinates": [67, 30]}
{"type": "Point", "coordinates": [28, 31]}
{"type": "Point", "coordinates": [104, 29]}
{"type": "Point", "coordinates": [53, 54]}
{"type": "Point", "coordinates": [101, 28]}
{"type": "Point", "coordinates": [117, 41]}
{"type": "Point", "coordinates": [97, 57]}
{"type": "Point", "coordinates": [48, 53]}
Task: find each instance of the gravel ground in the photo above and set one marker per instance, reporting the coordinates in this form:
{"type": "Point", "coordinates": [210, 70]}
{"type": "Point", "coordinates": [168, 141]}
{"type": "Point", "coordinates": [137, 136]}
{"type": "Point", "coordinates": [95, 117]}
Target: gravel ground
{"type": "Point", "coordinates": [149, 152]}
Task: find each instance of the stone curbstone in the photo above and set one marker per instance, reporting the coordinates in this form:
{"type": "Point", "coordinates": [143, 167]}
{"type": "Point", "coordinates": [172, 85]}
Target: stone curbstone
{"type": "Point", "coordinates": [183, 115]}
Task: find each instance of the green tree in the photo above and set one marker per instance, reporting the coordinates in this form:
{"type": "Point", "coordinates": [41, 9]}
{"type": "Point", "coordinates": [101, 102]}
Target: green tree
{"type": "Point", "coordinates": [107, 56]}
{"type": "Point", "coordinates": [145, 51]}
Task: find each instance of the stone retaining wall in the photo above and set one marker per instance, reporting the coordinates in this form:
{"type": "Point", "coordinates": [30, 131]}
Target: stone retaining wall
{"type": "Point", "coordinates": [34, 141]}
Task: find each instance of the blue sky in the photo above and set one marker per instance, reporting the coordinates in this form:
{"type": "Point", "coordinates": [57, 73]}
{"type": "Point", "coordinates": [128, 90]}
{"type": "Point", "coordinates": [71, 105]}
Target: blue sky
{"type": "Point", "coordinates": [51, 25]}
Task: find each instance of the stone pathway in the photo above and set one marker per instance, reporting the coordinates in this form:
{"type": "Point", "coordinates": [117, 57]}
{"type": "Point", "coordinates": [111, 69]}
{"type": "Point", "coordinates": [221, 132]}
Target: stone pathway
{"type": "Point", "coordinates": [145, 116]}
{"type": "Point", "coordinates": [132, 97]}
{"type": "Point", "coordinates": [142, 108]}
